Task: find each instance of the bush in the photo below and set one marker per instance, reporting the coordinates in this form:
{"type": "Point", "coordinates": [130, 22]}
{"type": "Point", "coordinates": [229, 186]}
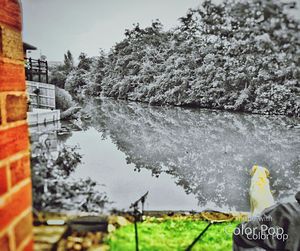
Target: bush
{"type": "Point", "coordinates": [63, 99]}
{"type": "Point", "coordinates": [57, 76]}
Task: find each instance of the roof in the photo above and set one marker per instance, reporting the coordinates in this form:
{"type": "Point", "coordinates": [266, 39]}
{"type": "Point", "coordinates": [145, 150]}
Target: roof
{"type": "Point", "coordinates": [27, 46]}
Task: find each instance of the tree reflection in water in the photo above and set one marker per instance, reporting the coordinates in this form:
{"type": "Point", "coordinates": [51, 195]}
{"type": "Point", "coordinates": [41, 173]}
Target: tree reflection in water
{"type": "Point", "coordinates": [53, 190]}
{"type": "Point", "coordinates": [209, 152]}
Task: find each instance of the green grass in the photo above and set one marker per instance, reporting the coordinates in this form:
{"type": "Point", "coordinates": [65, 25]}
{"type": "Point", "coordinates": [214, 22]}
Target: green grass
{"type": "Point", "coordinates": [173, 234]}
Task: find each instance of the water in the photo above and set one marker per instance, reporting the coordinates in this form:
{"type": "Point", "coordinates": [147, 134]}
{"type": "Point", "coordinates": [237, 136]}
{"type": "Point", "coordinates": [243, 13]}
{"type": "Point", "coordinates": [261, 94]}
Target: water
{"type": "Point", "coordinates": [188, 159]}
{"type": "Point", "coordinates": [104, 162]}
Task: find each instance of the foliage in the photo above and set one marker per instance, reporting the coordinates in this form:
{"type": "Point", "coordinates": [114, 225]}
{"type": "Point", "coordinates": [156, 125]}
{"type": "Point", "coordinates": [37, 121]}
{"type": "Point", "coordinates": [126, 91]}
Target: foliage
{"type": "Point", "coordinates": [98, 71]}
{"type": "Point", "coordinates": [68, 61]}
{"type": "Point", "coordinates": [63, 99]}
{"type": "Point", "coordinates": [58, 73]}
{"type": "Point", "coordinates": [173, 234]}
{"type": "Point", "coordinates": [75, 82]}
{"type": "Point", "coordinates": [84, 62]}
{"type": "Point", "coordinates": [241, 56]}
{"type": "Point", "coordinates": [53, 189]}
{"type": "Point", "coordinates": [82, 80]}
{"type": "Point", "coordinates": [57, 76]}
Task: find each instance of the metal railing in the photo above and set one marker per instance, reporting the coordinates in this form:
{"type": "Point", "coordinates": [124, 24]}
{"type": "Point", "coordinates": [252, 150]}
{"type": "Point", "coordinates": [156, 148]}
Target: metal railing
{"type": "Point", "coordinates": [36, 70]}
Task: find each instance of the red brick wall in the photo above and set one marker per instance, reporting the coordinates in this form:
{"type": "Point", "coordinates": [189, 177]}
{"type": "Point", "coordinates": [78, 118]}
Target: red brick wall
{"type": "Point", "coordinates": [15, 183]}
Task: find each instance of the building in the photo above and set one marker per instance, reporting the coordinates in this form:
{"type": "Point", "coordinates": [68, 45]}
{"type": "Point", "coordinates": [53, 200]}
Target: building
{"type": "Point", "coordinates": [35, 69]}
{"type": "Point", "coordinates": [41, 94]}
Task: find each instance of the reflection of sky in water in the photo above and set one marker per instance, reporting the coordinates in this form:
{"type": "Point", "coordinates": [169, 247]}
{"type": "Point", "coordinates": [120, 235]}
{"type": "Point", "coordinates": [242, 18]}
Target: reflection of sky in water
{"type": "Point", "coordinates": [208, 154]}
{"type": "Point", "coordinates": [103, 162]}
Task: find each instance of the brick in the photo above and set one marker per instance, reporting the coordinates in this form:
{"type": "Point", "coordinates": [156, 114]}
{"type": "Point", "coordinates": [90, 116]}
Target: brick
{"type": "Point", "coordinates": [20, 170]}
{"type": "Point", "coordinates": [4, 243]}
{"type": "Point", "coordinates": [11, 46]}
{"type": "Point", "coordinates": [13, 140]}
{"type": "Point", "coordinates": [3, 181]}
{"type": "Point", "coordinates": [16, 108]}
{"type": "Point", "coordinates": [1, 42]}
{"type": "Point", "coordinates": [10, 13]}
{"type": "Point", "coordinates": [0, 111]}
{"type": "Point", "coordinates": [23, 229]}
{"type": "Point", "coordinates": [14, 205]}
{"type": "Point", "coordinates": [12, 77]}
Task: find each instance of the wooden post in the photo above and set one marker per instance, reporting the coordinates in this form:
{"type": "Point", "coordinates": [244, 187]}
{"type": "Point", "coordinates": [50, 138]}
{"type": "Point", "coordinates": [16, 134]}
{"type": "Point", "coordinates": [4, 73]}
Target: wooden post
{"type": "Point", "coordinates": [46, 63]}
{"type": "Point", "coordinates": [39, 71]}
{"type": "Point", "coordinates": [30, 69]}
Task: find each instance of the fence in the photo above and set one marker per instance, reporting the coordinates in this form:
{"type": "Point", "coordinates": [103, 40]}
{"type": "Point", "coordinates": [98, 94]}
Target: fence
{"type": "Point", "coordinates": [41, 95]}
{"type": "Point", "coordinates": [42, 117]}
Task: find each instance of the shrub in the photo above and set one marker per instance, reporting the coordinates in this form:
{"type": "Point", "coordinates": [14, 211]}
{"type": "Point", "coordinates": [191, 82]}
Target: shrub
{"type": "Point", "coordinates": [63, 99]}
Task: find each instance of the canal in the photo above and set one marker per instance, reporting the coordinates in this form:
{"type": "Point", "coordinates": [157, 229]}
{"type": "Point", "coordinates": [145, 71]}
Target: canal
{"type": "Point", "coordinates": [187, 158]}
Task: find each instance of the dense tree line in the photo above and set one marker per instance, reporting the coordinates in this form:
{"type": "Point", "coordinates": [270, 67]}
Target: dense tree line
{"type": "Point", "coordinates": [241, 56]}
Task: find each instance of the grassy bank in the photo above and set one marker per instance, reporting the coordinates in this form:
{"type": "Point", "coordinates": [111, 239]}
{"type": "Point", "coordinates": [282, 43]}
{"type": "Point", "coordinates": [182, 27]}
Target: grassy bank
{"type": "Point", "coordinates": [173, 234]}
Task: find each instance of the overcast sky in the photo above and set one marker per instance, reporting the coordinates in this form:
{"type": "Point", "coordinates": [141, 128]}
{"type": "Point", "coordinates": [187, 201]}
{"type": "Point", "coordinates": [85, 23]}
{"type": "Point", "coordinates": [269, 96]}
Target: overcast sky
{"type": "Point", "coordinates": [54, 26]}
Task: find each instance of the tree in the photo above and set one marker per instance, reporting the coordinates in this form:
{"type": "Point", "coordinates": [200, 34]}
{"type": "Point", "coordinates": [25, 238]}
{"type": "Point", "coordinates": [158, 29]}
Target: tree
{"type": "Point", "coordinates": [58, 76]}
{"type": "Point", "coordinates": [235, 55]}
{"type": "Point", "coordinates": [58, 73]}
{"type": "Point", "coordinates": [76, 81]}
{"type": "Point", "coordinates": [84, 62]}
{"type": "Point", "coordinates": [68, 61]}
